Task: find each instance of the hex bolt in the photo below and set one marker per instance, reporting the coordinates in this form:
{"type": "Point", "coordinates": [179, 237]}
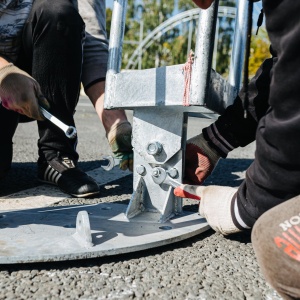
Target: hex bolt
{"type": "Point", "coordinates": [154, 148]}
{"type": "Point", "coordinates": [141, 170]}
{"type": "Point", "coordinates": [173, 172]}
{"type": "Point", "coordinates": [155, 173]}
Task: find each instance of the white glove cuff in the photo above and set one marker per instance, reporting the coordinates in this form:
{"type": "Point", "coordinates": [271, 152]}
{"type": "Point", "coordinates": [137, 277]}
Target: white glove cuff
{"type": "Point", "coordinates": [215, 206]}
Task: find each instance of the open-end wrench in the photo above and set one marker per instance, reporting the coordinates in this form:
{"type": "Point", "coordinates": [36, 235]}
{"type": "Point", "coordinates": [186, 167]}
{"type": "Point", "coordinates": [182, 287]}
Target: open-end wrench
{"type": "Point", "coordinates": [69, 131]}
{"type": "Point", "coordinates": [109, 162]}
{"type": "Point", "coordinates": [160, 176]}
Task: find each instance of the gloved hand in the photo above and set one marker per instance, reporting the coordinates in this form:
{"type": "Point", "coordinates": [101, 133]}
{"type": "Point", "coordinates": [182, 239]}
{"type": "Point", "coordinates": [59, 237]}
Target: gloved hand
{"type": "Point", "coordinates": [21, 93]}
{"type": "Point", "coordinates": [200, 160]}
{"type": "Point", "coordinates": [215, 205]}
{"type": "Point", "coordinates": [119, 139]}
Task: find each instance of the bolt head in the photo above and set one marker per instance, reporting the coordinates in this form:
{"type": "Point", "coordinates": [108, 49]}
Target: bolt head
{"type": "Point", "coordinates": [141, 170]}
{"type": "Point", "coordinates": [173, 172]}
{"type": "Point", "coordinates": [155, 172]}
{"type": "Point", "coordinates": [154, 148]}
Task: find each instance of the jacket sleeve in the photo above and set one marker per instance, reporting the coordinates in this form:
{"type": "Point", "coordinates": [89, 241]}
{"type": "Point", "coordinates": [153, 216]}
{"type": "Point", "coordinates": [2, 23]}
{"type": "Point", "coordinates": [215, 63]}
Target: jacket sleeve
{"type": "Point", "coordinates": [232, 129]}
{"type": "Point", "coordinates": [95, 48]}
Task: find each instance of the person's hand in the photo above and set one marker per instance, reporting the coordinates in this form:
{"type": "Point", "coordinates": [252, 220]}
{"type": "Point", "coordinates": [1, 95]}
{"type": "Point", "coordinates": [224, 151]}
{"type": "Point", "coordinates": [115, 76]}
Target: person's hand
{"type": "Point", "coordinates": [21, 93]}
{"type": "Point", "coordinates": [119, 139]}
{"type": "Point", "coordinates": [215, 205]}
{"type": "Point", "coordinates": [204, 4]}
{"type": "Point", "coordinates": [200, 160]}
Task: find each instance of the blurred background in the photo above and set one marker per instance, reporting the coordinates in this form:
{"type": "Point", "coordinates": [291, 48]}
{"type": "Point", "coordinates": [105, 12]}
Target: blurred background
{"type": "Point", "coordinates": [162, 32]}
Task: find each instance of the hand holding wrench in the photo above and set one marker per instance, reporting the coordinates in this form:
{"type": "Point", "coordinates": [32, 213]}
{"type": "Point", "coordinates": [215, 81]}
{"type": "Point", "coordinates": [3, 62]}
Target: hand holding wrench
{"type": "Point", "coordinates": [69, 131]}
{"type": "Point", "coordinates": [161, 176]}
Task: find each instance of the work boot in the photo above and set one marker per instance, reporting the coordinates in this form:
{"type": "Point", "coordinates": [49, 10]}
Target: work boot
{"type": "Point", "coordinates": [61, 171]}
{"type": "Point", "coordinates": [6, 151]}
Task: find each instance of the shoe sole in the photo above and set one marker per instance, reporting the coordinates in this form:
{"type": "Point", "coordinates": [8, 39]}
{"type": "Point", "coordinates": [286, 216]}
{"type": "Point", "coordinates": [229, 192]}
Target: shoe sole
{"type": "Point", "coordinates": [74, 195]}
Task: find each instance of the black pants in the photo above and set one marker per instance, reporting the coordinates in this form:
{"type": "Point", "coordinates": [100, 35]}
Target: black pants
{"type": "Point", "coordinates": [52, 53]}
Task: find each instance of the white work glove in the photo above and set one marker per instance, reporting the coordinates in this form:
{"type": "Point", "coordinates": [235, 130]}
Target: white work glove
{"type": "Point", "coordinates": [119, 139]}
{"type": "Point", "coordinates": [200, 160]}
{"type": "Point", "coordinates": [215, 205]}
{"type": "Point", "coordinates": [21, 93]}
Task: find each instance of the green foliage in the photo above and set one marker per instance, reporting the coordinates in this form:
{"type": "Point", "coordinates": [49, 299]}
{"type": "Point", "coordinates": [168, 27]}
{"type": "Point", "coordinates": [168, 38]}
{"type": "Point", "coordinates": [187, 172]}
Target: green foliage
{"type": "Point", "coordinates": [108, 21]}
{"type": "Point", "coordinates": [259, 50]}
{"type": "Point", "coordinates": [171, 47]}
{"type": "Point", "coordinates": [185, 5]}
{"type": "Point", "coordinates": [154, 13]}
{"type": "Point", "coordinates": [225, 35]}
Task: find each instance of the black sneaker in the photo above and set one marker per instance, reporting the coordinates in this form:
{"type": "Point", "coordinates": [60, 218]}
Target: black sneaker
{"type": "Point", "coordinates": [61, 171]}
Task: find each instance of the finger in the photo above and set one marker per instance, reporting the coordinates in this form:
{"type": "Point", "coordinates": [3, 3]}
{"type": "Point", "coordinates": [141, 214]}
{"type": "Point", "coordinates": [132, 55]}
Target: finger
{"type": "Point", "coordinates": [43, 102]}
{"type": "Point", "coordinates": [124, 164]}
{"type": "Point", "coordinates": [130, 167]}
{"type": "Point", "coordinates": [41, 99]}
{"type": "Point", "coordinates": [187, 191]}
{"type": "Point", "coordinates": [31, 108]}
{"type": "Point", "coordinates": [34, 113]}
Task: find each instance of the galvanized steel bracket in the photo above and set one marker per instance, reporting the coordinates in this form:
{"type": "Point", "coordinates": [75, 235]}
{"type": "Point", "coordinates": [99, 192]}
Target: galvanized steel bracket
{"type": "Point", "coordinates": [83, 230]}
{"type": "Point", "coordinates": [160, 119]}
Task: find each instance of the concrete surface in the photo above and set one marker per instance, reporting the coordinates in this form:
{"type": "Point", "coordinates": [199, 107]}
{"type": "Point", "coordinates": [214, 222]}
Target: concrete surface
{"type": "Point", "coordinates": [208, 266]}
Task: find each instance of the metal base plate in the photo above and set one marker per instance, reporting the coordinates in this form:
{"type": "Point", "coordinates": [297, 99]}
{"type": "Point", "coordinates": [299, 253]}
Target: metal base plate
{"type": "Point", "coordinates": [49, 234]}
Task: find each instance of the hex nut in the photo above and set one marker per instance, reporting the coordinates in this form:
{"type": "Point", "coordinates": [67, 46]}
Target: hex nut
{"type": "Point", "coordinates": [155, 172]}
{"type": "Point", "coordinates": [154, 148]}
{"type": "Point", "coordinates": [141, 170]}
{"type": "Point", "coordinates": [173, 173]}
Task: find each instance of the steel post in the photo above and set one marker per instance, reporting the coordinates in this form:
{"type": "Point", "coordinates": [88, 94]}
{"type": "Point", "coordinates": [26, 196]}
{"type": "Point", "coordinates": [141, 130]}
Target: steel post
{"type": "Point", "coordinates": [203, 55]}
{"type": "Point", "coordinates": [239, 44]}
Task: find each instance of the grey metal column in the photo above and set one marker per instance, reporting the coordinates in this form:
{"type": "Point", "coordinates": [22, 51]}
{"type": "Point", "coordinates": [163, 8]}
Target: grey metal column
{"type": "Point", "coordinates": [239, 44]}
{"type": "Point", "coordinates": [203, 55]}
{"type": "Point", "coordinates": [115, 46]}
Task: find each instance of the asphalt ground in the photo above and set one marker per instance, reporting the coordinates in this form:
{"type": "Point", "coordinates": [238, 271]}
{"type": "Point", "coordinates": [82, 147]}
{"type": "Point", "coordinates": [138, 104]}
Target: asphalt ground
{"type": "Point", "coordinates": [206, 266]}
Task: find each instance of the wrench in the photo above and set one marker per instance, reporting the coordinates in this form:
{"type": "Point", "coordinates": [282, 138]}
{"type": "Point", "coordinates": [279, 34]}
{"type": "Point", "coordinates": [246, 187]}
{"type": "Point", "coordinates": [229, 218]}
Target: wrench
{"type": "Point", "coordinates": [109, 162]}
{"type": "Point", "coordinates": [69, 131]}
{"type": "Point", "coordinates": [160, 176]}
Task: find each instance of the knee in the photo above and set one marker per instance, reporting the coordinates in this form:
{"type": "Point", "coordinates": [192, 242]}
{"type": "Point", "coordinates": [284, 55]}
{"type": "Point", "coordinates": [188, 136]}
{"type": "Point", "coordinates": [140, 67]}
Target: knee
{"type": "Point", "coordinates": [262, 241]}
{"type": "Point", "coordinates": [276, 257]}
{"type": "Point", "coordinates": [60, 15]}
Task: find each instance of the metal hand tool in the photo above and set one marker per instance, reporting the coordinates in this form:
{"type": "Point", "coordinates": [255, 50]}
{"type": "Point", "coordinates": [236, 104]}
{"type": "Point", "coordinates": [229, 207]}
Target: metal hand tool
{"type": "Point", "coordinates": [109, 162]}
{"type": "Point", "coordinates": [69, 131]}
{"type": "Point", "coordinates": [160, 176]}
